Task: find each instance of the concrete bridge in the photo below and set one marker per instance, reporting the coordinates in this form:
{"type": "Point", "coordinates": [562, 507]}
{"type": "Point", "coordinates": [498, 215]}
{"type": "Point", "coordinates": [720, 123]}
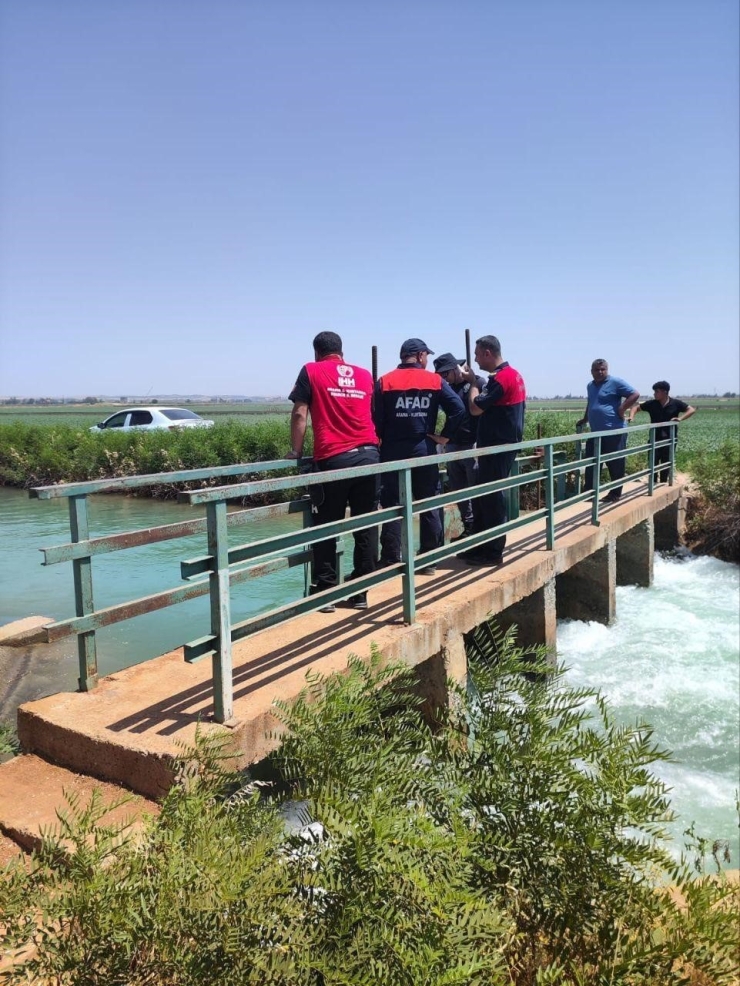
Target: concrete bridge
{"type": "Point", "coordinates": [128, 730]}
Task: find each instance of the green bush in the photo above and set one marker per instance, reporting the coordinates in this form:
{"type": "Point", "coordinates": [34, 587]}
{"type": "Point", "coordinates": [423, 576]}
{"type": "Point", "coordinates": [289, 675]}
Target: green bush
{"type": "Point", "coordinates": [514, 840]}
{"type": "Point", "coordinates": [714, 513]}
{"type": "Point", "coordinates": [32, 455]}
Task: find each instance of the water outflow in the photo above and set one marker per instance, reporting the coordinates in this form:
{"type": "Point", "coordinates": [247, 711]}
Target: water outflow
{"type": "Point", "coordinates": [672, 659]}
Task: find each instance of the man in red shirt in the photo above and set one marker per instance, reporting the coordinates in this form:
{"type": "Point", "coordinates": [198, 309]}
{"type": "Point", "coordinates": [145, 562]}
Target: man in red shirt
{"type": "Point", "coordinates": [338, 397]}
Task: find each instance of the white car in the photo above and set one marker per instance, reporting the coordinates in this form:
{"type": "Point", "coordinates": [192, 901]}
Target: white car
{"type": "Point", "coordinates": [152, 418]}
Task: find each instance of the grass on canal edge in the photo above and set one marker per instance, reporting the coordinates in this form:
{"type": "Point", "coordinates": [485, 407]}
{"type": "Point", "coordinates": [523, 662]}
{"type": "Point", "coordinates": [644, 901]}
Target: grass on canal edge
{"type": "Point", "coordinates": [513, 841]}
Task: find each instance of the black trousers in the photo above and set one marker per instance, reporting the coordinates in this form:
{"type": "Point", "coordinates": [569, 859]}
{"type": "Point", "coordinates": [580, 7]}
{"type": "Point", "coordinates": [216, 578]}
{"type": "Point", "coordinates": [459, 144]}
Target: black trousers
{"type": "Point", "coordinates": [663, 457]}
{"type": "Point", "coordinates": [490, 510]}
{"type": "Point", "coordinates": [424, 483]}
{"type": "Point", "coordinates": [330, 504]}
{"type": "Point", "coordinates": [460, 475]}
{"type": "Point", "coordinates": [616, 467]}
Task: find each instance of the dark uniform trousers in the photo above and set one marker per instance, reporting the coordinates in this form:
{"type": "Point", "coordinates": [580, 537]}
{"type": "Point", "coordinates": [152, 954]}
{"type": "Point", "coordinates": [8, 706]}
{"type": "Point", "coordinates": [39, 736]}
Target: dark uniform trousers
{"type": "Point", "coordinates": [616, 467]}
{"type": "Point", "coordinates": [424, 483]}
{"type": "Point", "coordinates": [361, 494]}
{"type": "Point", "coordinates": [461, 475]}
{"type": "Point", "coordinates": [490, 510]}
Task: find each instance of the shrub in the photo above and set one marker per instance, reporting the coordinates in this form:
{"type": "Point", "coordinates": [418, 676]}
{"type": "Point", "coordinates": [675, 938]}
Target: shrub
{"type": "Point", "coordinates": [512, 841]}
{"type": "Point", "coordinates": [714, 515]}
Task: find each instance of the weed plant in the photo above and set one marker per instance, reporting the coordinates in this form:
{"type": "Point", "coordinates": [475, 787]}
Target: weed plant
{"type": "Point", "coordinates": [516, 840]}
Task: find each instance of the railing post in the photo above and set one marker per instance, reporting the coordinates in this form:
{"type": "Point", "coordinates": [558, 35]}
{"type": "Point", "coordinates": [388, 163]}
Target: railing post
{"type": "Point", "coordinates": [407, 546]}
{"type": "Point", "coordinates": [672, 437]}
{"type": "Point", "coordinates": [549, 499]}
{"type": "Point", "coordinates": [218, 548]}
{"type": "Point", "coordinates": [82, 573]}
{"type": "Point", "coordinates": [651, 463]}
{"type": "Point", "coordinates": [558, 458]}
{"type": "Point", "coordinates": [512, 494]}
{"type": "Point", "coordinates": [597, 481]}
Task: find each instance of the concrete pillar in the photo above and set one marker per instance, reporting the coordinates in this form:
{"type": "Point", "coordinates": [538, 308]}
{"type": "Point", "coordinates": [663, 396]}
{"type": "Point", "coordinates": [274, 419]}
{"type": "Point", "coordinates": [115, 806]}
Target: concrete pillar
{"type": "Point", "coordinates": [587, 591]}
{"type": "Point", "coordinates": [635, 551]}
{"type": "Point", "coordinates": [451, 663]}
{"type": "Point", "coordinates": [669, 525]}
{"type": "Point", "coordinates": [535, 618]}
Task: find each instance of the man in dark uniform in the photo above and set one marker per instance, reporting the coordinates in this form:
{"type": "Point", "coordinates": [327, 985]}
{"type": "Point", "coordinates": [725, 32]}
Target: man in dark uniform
{"type": "Point", "coordinates": [464, 473]}
{"type": "Point", "coordinates": [406, 404]}
{"type": "Point", "coordinates": [663, 408]}
{"type": "Point", "coordinates": [499, 407]}
{"type": "Point", "coordinates": [338, 396]}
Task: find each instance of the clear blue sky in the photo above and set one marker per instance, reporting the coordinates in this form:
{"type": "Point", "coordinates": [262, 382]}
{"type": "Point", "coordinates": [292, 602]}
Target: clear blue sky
{"type": "Point", "coordinates": [191, 189]}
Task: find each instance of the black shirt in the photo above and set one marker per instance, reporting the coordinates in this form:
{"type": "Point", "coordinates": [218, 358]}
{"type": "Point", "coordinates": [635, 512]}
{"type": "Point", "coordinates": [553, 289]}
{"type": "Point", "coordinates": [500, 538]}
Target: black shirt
{"type": "Point", "coordinates": [663, 412]}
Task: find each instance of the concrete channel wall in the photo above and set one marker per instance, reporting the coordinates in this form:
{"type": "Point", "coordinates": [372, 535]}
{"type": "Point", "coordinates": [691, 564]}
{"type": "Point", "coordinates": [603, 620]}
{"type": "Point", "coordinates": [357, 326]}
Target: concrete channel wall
{"type": "Point", "coordinates": [132, 726]}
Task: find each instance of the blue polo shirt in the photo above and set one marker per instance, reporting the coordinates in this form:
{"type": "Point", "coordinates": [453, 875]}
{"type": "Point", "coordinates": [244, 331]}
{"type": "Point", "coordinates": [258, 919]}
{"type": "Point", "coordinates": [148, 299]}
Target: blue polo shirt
{"type": "Point", "coordinates": [603, 400]}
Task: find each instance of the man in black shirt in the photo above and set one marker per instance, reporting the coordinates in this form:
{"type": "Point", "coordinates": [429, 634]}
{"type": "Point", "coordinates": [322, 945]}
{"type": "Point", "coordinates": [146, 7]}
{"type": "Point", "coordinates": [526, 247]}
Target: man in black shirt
{"type": "Point", "coordinates": [662, 408]}
{"type": "Point", "coordinates": [463, 473]}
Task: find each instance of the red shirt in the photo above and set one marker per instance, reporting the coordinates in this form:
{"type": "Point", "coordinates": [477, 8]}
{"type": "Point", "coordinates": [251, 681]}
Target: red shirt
{"type": "Point", "coordinates": [339, 397]}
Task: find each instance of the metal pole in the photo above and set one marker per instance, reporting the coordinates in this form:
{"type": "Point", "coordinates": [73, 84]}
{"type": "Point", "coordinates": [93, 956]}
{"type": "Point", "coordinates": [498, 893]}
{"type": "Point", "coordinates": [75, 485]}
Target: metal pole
{"type": "Point", "coordinates": [407, 547]}
{"type": "Point", "coordinates": [218, 548]}
{"type": "Point", "coordinates": [597, 481]}
{"type": "Point", "coordinates": [468, 358]}
{"type": "Point", "coordinates": [651, 463]}
{"type": "Point", "coordinates": [549, 498]}
{"type": "Point", "coordinates": [82, 574]}
{"type": "Point", "coordinates": [374, 363]}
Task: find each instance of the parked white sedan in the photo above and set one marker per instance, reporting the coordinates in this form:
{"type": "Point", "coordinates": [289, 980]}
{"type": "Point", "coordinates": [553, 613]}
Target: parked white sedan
{"type": "Point", "coordinates": [151, 418]}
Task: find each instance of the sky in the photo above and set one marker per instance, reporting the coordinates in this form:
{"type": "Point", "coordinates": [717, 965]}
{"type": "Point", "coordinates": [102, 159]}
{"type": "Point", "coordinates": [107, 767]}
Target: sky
{"type": "Point", "coordinates": [190, 190]}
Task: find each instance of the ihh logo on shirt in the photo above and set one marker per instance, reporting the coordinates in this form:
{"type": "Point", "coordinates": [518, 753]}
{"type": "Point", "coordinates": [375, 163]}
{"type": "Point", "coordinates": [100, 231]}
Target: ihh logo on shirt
{"type": "Point", "coordinates": [346, 376]}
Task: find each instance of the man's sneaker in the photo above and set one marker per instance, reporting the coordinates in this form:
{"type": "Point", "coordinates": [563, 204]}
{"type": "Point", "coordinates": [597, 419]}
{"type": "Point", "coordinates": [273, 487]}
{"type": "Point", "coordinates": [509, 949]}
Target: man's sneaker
{"type": "Point", "coordinates": [612, 497]}
{"type": "Point", "coordinates": [358, 601]}
{"type": "Point", "coordinates": [428, 570]}
{"type": "Point", "coordinates": [329, 608]}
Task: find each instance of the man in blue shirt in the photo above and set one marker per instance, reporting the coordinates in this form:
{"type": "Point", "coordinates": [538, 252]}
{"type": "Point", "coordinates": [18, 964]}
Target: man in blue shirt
{"type": "Point", "coordinates": [609, 398]}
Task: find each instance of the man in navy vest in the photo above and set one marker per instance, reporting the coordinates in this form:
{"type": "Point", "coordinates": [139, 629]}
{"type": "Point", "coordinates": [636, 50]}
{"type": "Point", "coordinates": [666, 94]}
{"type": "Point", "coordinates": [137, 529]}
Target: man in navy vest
{"type": "Point", "coordinates": [499, 407]}
{"type": "Point", "coordinates": [406, 404]}
{"type": "Point", "coordinates": [338, 396]}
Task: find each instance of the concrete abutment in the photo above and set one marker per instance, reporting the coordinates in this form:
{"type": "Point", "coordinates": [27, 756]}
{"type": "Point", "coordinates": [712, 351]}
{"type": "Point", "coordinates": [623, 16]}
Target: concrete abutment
{"type": "Point", "coordinates": [635, 553]}
{"type": "Point", "coordinates": [587, 590]}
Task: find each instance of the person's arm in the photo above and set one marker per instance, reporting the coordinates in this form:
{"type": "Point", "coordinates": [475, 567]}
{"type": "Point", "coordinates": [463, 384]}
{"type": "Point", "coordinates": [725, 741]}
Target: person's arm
{"type": "Point", "coordinates": [454, 410]}
{"type": "Point", "coordinates": [685, 414]}
{"type": "Point", "coordinates": [633, 411]}
{"type": "Point", "coordinates": [584, 420]}
{"type": "Point", "coordinates": [298, 423]}
{"type": "Point", "coordinates": [628, 402]}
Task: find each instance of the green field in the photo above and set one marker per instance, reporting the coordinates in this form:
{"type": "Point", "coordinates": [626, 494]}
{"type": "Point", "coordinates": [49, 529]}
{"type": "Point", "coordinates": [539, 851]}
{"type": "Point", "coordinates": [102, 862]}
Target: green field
{"type": "Point", "coordinates": [79, 415]}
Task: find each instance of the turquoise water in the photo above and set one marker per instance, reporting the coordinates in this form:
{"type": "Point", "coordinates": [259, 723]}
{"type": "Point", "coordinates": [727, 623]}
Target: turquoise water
{"type": "Point", "coordinates": [29, 588]}
{"type": "Point", "coordinates": [671, 657]}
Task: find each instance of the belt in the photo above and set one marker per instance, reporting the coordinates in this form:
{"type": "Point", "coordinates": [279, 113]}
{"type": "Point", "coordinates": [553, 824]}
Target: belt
{"type": "Point", "coordinates": [357, 448]}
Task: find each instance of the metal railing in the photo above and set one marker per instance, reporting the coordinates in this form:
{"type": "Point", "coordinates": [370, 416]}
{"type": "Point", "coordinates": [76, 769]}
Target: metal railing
{"type": "Point", "coordinates": [214, 573]}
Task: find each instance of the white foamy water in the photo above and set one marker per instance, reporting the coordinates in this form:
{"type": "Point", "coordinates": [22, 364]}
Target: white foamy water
{"type": "Point", "coordinates": [672, 659]}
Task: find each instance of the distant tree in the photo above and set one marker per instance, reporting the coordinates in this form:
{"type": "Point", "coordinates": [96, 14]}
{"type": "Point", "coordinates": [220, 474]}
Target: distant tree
{"type": "Point", "coordinates": [123, 400]}
{"type": "Point", "coordinates": [155, 401]}
{"type": "Point", "coordinates": [90, 400]}
{"type": "Point", "coordinates": [729, 393]}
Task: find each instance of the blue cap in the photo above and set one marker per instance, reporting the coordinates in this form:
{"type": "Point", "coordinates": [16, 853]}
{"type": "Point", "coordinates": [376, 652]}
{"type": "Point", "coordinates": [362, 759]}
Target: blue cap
{"type": "Point", "coordinates": [413, 346]}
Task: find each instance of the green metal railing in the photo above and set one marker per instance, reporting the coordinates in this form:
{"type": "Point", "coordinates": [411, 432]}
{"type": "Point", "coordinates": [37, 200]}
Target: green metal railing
{"type": "Point", "coordinates": [215, 572]}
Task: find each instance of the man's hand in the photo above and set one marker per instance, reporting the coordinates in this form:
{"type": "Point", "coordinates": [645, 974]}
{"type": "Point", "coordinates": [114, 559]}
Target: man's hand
{"type": "Point", "coordinates": [438, 439]}
{"type": "Point", "coordinates": [468, 373]}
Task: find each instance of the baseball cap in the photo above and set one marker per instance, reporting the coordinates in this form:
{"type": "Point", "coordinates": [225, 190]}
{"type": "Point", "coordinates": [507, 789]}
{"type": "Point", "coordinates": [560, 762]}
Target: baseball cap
{"type": "Point", "coordinates": [447, 362]}
{"type": "Point", "coordinates": [413, 346]}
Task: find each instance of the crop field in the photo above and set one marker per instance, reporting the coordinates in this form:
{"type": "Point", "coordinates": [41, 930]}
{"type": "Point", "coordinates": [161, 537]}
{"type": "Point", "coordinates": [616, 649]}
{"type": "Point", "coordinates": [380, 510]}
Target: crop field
{"type": "Point", "coordinates": [81, 415]}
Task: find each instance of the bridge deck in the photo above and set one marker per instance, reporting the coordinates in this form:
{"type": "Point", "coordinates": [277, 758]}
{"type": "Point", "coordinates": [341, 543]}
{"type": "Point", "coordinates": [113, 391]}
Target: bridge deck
{"type": "Point", "coordinates": [129, 728]}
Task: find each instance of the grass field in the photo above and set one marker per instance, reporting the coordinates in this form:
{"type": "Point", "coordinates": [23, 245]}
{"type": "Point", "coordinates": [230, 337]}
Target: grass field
{"type": "Point", "coordinates": [81, 415]}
